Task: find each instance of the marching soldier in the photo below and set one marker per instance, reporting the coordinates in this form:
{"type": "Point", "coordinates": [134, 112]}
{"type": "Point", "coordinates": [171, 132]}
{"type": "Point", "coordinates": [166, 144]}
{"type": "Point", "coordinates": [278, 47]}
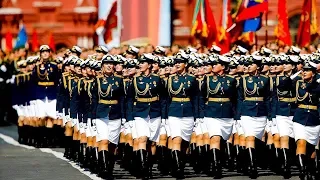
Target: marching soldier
{"type": "Point", "coordinates": [182, 111]}
{"type": "Point", "coordinates": [109, 111]}
{"type": "Point", "coordinates": [219, 93]}
{"type": "Point", "coordinates": [100, 52]}
{"type": "Point", "coordinates": [146, 100]}
{"type": "Point", "coordinates": [45, 76]}
{"type": "Point", "coordinates": [306, 124]}
{"type": "Point", "coordinates": [254, 105]}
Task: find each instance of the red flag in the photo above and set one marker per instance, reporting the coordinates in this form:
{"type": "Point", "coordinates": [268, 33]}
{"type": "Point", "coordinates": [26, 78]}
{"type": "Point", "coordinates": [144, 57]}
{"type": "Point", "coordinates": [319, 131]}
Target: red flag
{"type": "Point", "coordinates": [204, 24]}
{"type": "Point", "coordinates": [108, 24]}
{"type": "Point", "coordinates": [210, 23]}
{"type": "Point", "coordinates": [52, 45]}
{"type": "Point", "coordinates": [35, 42]}
{"type": "Point", "coordinates": [223, 40]}
{"type": "Point", "coordinates": [8, 41]}
{"type": "Point", "coordinates": [304, 35]}
{"type": "Point", "coordinates": [282, 29]}
{"type": "Point", "coordinates": [252, 11]}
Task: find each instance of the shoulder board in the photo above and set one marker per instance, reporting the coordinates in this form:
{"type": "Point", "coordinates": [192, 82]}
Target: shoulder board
{"type": "Point", "coordinates": [165, 78]}
{"type": "Point", "coordinates": [71, 78]}
{"type": "Point", "coordinates": [245, 75]}
{"type": "Point", "coordinates": [230, 76]}
{"type": "Point", "coordinates": [172, 75]}
{"type": "Point", "coordinates": [300, 80]}
{"type": "Point", "coordinates": [264, 75]}
{"type": "Point", "coordinates": [100, 76]}
{"type": "Point", "coordinates": [153, 74]}
{"type": "Point", "coordinates": [116, 75]}
{"type": "Point", "coordinates": [191, 75]}
{"type": "Point", "coordinates": [53, 63]}
{"type": "Point", "coordinates": [200, 79]}
{"type": "Point", "coordinates": [208, 75]}
{"type": "Point", "coordinates": [125, 80]}
{"type": "Point", "coordinates": [65, 73]}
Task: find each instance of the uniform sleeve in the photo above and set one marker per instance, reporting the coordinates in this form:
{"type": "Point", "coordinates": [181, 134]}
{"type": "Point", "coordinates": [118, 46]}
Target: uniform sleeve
{"type": "Point", "coordinates": [195, 92]}
{"type": "Point", "coordinates": [130, 101]}
{"type": "Point", "coordinates": [163, 93]}
{"type": "Point", "coordinates": [274, 99]}
{"type": "Point", "coordinates": [202, 96]}
{"type": "Point", "coordinates": [240, 98]}
{"type": "Point", "coordinates": [234, 94]}
{"type": "Point", "coordinates": [94, 100]}
{"type": "Point", "coordinates": [122, 99]}
{"type": "Point", "coordinates": [268, 96]}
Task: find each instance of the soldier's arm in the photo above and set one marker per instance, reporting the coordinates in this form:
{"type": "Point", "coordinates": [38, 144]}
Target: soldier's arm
{"type": "Point", "coordinates": [240, 98]}
{"type": "Point", "coordinates": [95, 98]}
{"type": "Point", "coordinates": [274, 99]}
{"type": "Point", "coordinates": [268, 96]}
{"type": "Point", "coordinates": [195, 91]}
{"type": "Point", "coordinates": [163, 95]}
{"type": "Point", "coordinates": [122, 99]}
{"type": "Point", "coordinates": [130, 101]}
{"type": "Point", "coordinates": [202, 96]}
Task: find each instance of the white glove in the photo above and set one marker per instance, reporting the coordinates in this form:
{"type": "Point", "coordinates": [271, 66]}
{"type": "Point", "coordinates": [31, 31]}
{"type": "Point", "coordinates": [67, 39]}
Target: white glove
{"type": "Point", "coordinates": [163, 122]}
{"type": "Point", "coordinates": [3, 68]}
{"type": "Point", "coordinates": [201, 120]}
{"type": "Point", "coordinates": [123, 121]}
{"type": "Point", "coordinates": [81, 125]}
{"type": "Point", "coordinates": [93, 123]}
{"type": "Point", "coordinates": [126, 125]}
{"type": "Point", "coordinates": [131, 124]}
{"type": "Point", "coordinates": [1, 79]}
{"type": "Point", "coordinates": [269, 123]}
{"type": "Point", "coordinates": [196, 122]}
{"type": "Point", "coordinates": [274, 123]}
{"type": "Point", "coordinates": [85, 126]}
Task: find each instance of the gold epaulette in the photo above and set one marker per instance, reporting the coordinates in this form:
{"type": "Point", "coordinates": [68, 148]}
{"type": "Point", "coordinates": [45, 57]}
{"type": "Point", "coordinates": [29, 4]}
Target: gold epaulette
{"type": "Point", "coordinates": [200, 79]}
{"type": "Point", "coordinates": [116, 75]}
{"type": "Point", "coordinates": [153, 74]}
{"type": "Point", "coordinates": [100, 76]}
{"type": "Point", "coordinates": [65, 73]}
{"type": "Point", "coordinates": [127, 79]}
{"type": "Point", "coordinates": [245, 75]}
{"type": "Point", "coordinates": [231, 76]}
{"type": "Point", "coordinates": [53, 63]}
{"type": "Point", "coordinates": [171, 75]}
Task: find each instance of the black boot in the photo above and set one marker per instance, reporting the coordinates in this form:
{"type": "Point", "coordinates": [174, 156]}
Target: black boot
{"type": "Point", "coordinates": [20, 132]}
{"type": "Point", "coordinates": [144, 167]}
{"type": "Point", "coordinates": [311, 169]}
{"type": "Point", "coordinates": [216, 165]}
{"type": "Point", "coordinates": [193, 149]}
{"type": "Point", "coordinates": [126, 157]}
{"type": "Point", "coordinates": [198, 164]}
{"type": "Point", "coordinates": [317, 164]}
{"type": "Point", "coordinates": [242, 166]}
{"type": "Point", "coordinates": [237, 158]}
{"type": "Point", "coordinates": [121, 152]}
{"type": "Point", "coordinates": [76, 149]}
{"type": "Point", "coordinates": [88, 156]}
{"type": "Point", "coordinates": [230, 161]}
{"type": "Point", "coordinates": [286, 163]}
{"type": "Point", "coordinates": [277, 161]}
{"type": "Point", "coordinates": [136, 165]}
{"type": "Point", "coordinates": [302, 166]}
{"type": "Point", "coordinates": [177, 169]}
{"type": "Point", "coordinates": [68, 147]}
{"type": "Point", "coordinates": [204, 159]}
{"type": "Point", "coordinates": [95, 162]}
{"type": "Point", "coordinates": [82, 155]}
{"type": "Point", "coordinates": [162, 160]}
{"type": "Point", "coordinates": [110, 161]}
{"type": "Point", "coordinates": [103, 172]}
{"type": "Point", "coordinates": [253, 174]}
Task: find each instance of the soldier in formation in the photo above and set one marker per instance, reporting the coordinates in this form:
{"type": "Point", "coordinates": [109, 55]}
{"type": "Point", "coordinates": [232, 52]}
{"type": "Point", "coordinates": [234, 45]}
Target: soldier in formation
{"type": "Point", "coordinates": [216, 111]}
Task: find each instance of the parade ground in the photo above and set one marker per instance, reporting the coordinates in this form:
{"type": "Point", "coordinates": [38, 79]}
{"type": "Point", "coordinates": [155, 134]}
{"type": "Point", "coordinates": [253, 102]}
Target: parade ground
{"type": "Point", "coordinates": [21, 162]}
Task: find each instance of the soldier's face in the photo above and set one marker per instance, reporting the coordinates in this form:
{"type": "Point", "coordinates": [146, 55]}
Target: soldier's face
{"type": "Point", "coordinates": [233, 71]}
{"type": "Point", "coordinates": [84, 72]}
{"type": "Point", "coordinates": [245, 69]}
{"type": "Point", "coordinates": [279, 68]}
{"type": "Point", "coordinates": [252, 68]}
{"type": "Point", "coordinates": [67, 69]}
{"type": "Point", "coordinates": [167, 69]}
{"type": "Point", "coordinates": [119, 68]}
{"type": "Point", "coordinates": [288, 67]}
{"type": "Point", "coordinates": [208, 69]}
{"type": "Point", "coordinates": [45, 54]}
{"type": "Point", "coordinates": [272, 69]}
{"type": "Point", "coordinates": [240, 68]}
{"type": "Point", "coordinates": [218, 68]}
{"type": "Point", "coordinates": [201, 71]}
{"type": "Point", "coordinates": [132, 71]}
{"type": "Point", "coordinates": [108, 68]}
{"type": "Point", "coordinates": [144, 66]}
{"type": "Point", "coordinates": [155, 67]}
{"type": "Point", "coordinates": [99, 55]}
{"type": "Point", "coordinates": [265, 68]}
{"type": "Point", "coordinates": [180, 66]}
{"type": "Point", "coordinates": [162, 71]}
{"type": "Point", "coordinates": [77, 70]}
{"type": "Point", "coordinates": [89, 71]}
{"type": "Point", "coordinates": [173, 69]}
{"type": "Point", "coordinates": [72, 68]}
{"type": "Point", "coordinates": [129, 56]}
{"type": "Point", "coordinates": [307, 74]}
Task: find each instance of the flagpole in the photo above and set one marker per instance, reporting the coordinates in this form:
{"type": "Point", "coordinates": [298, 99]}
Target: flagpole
{"type": "Point", "coordinates": [266, 38]}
